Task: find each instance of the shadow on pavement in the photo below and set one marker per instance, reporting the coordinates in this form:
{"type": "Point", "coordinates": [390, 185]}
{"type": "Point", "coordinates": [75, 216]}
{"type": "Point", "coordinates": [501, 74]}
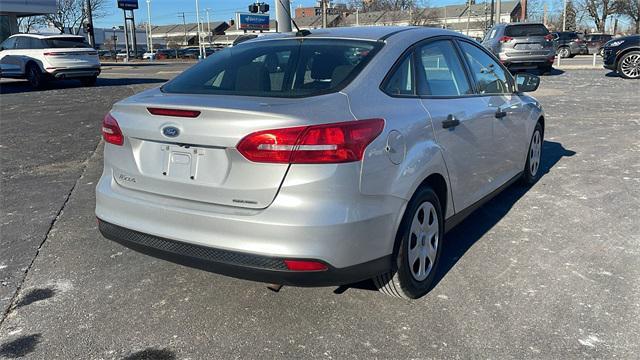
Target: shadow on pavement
{"type": "Point", "coordinates": [23, 86]}
{"type": "Point", "coordinates": [613, 74]}
{"type": "Point", "coordinates": [152, 354]}
{"type": "Point", "coordinates": [553, 72]}
{"type": "Point", "coordinates": [19, 347]}
{"type": "Point", "coordinates": [461, 238]}
{"type": "Point", "coordinates": [35, 295]}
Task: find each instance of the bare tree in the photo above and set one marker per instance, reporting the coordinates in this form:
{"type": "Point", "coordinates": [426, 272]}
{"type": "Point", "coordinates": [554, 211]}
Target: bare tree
{"type": "Point", "coordinates": [70, 14]}
{"type": "Point", "coordinates": [28, 23]}
{"type": "Point", "coordinates": [630, 9]}
{"type": "Point", "coordinates": [598, 11]}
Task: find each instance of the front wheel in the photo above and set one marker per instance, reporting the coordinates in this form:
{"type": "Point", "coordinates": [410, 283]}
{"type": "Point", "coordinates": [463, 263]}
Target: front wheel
{"type": "Point", "coordinates": [419, 245]}
{"type": "Point", "coordinates": [531, 172]}
{"type": "Point", "coordinates": [629, 65]}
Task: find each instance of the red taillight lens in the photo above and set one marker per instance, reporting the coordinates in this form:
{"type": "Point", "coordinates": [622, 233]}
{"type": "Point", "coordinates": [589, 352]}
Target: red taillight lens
{"type": "Point", "coordinates": [111, 131]}
{"type": "Point", "coordinates": [319, 144]}
{"type": "Point", "coordinates": [548, 37]}
{"type": "Point", "coordinates": [174, 112]}
{"type": "Point", "coordinates": [505, 39]}
{"type": "Point", "coordinates": [303, 265]}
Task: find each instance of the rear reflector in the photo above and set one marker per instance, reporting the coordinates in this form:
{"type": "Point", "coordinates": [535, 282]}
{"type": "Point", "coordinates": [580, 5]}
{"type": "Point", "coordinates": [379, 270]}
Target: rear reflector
{"type": "Point", "coordinates": [111, 131]}
{"type": "Point", "coordinates": [303, 265]}
{"type": "Point", "coordinates": [318, 144]}
{"type": "Point", "coordinates": [174, 112]}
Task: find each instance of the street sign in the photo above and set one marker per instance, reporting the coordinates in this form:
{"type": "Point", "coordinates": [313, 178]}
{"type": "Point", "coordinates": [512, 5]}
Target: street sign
{"type": "Point", "coordinates": [128, 4]}
{"type": "Point", "coordinates": [248, 21]}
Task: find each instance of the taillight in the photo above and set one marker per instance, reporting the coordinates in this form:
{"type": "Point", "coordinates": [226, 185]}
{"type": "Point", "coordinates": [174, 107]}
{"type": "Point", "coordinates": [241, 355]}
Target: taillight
{"type": "Point", "coordinates": [54, 54]}
{"type": "Point", "coordinates": [174, 112]}
{"type": "Point", "coordinates": [111, 131]}
{"type": "Point", "coordinates": [548, 37]}
{"type": "Point", "coordinates": [505, 39]}
{"type": "Point", "coordinates": [305, 265]}
{"type": "Point", "coordinates": [318, 144]}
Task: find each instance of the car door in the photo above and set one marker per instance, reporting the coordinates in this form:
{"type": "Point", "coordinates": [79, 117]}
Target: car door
{"type": "Point", "coordinates": [494, 86]}
{"type": "Point", "coordinates": [8, 62]}
{"type": "Point", "coordinates": [462, 122]}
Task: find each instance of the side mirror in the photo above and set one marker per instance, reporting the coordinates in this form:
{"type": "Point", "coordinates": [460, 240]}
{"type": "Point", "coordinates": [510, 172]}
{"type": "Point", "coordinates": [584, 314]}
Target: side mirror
{"type": "Point", "coordinates": [527, 82]}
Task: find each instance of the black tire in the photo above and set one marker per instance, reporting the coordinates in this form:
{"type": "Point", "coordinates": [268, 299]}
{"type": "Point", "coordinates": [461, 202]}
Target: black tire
{"type": "Point", "coordinates": [89, 81]}
{"type": "Point", "coordinates": [531, 174]}
{"type": "Point", "coordinates": [35, 76]}
{"type": "Point", "coordinates": [564, 52]}
{"type": "Point", "coordinates": [629, 65]}
{"type": "Point", "coordinates": [401, 281]}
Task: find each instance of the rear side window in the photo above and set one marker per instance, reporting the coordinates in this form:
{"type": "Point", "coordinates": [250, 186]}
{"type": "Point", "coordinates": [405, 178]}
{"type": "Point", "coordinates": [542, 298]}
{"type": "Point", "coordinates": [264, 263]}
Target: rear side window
{"type": "Point", "coordinates": [440, 72]}
{"type": "Point", "coordinates": [526, 30]}
{"type": "Point", "coordinates": [66, 42]}
{"type": "Point", "coordinates": [9, 43]}
{"type": "Point", "coordinates": [401, 82]}
{"type": "Point", "coordinates": [277, 68]}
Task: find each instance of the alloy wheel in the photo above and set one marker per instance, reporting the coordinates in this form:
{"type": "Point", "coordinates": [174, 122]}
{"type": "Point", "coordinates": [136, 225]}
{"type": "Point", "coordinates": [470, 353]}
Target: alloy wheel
{"type": "Point", "coordinates": [630, 66]}
{"type": "Point", "coordinates": [564, 53]}
{"type": "Point", "coordinates": [423, 241]}
{"type": "Point", "coordinates": [534, 153]}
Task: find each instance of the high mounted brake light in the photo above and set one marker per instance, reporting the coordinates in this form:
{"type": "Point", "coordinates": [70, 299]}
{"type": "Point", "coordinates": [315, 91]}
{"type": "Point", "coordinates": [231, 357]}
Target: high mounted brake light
{"type": "Point", "coordinates": [174, 112]}
{"type": "Point", "coordinates": [318, 144]}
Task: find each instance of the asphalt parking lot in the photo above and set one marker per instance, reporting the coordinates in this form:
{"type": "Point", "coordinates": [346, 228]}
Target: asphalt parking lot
{"type": "Point", "coordinates": [551, 271]}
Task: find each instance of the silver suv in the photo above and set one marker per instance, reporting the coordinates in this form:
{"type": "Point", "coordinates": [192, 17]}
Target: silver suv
{"type": "Point", "coordinates": [323, 159]}
{"type": "Point", "coordinates": [522, 46]}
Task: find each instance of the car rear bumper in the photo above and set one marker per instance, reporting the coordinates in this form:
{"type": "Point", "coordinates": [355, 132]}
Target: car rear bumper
{"type": "Point", "coordinates": [339, 229]}
{"type": "Point", "coordinates": [70, 73]}
{"type": "Point", "coordinates": [536, 58]}
{"type": "Point", "coordinates": [253, 267]}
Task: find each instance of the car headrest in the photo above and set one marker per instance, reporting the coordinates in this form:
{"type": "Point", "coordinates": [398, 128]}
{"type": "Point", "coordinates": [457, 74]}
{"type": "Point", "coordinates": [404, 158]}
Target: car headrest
{"type": "Point", "coordinates": [253, 77]}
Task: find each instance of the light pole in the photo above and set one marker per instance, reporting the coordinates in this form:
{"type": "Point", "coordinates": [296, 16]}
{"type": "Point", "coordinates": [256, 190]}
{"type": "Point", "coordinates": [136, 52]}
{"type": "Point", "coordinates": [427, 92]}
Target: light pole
{"type": "Point", "coordinates": [149, 40]}
{"type": "Point", "coordinates": [564, 15]}
{"type": "Point", "coordinates": [208, 28]}
{"type": "Point", "coordinates": [198, 21]}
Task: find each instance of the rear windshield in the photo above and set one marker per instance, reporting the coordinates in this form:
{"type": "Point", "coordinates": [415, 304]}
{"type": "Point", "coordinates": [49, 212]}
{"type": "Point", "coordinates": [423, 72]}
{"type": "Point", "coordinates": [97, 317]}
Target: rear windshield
{"type": "Point", "coordinates": [526, 30]}
{"type": "Point", "coordinates": [66, 42]}
{"type": "Point", "coordinates": [277, 68]}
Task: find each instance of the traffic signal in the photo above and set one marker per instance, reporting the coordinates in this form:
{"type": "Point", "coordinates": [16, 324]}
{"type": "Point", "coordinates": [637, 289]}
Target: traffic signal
{"type": "Point", "coordinates": [263, 8]}
{"type": "Point", "coordinates": [253, 8]}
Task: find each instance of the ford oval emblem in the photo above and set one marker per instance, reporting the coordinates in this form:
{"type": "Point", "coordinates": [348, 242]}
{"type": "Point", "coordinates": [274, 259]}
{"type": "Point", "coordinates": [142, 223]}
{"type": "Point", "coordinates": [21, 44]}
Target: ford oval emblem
{"type": "Point", "coordinates": [170, 131]}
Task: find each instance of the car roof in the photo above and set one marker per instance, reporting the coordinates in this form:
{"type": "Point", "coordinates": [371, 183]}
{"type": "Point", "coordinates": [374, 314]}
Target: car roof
{"type": "Point", "coordinates": [373, 33]}
{"type": "Point", "coordinates": [48, 36]}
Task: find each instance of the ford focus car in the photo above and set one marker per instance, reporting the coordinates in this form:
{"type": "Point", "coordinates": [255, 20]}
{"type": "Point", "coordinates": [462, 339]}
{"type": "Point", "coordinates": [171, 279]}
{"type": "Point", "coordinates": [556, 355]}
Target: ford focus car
{"type": "Point", "coordinates": [319, 159]}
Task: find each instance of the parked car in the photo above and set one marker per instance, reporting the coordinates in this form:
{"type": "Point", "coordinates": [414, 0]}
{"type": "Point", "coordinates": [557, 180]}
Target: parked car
{"type": "Point", "coordinates": [149, 55]}
{"type": "Point", "coordinates": [522, 45]}
{"type": "Point", "coordinates": [569, 44]}
{"type": "Point", "coordinates": [291, 162]}
{"type": "Point", "coordinates": [41, 58]}
{"type": "Point", "coordinates": [622, 55]}
{"type": "Point", "coordinates": [595, 42]}
{"type": "Point", "coordinates": [166, 54]}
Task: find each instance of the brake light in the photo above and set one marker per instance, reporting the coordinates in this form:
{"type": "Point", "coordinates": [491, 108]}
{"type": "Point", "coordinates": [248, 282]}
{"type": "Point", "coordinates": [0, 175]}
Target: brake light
{"type": "Point", "coordinates": [505, 39]}
{"type": "Point", "coordinates": [318, 144]}
{"type": "Point", "coordinates": [111, 131]}
{"type": "Point", "coordinates": [174, 112]}
{"type": "Point", "coordinates": [54, 54]}
{"type": "Point", "coordinates": [548, 37]}
{"type": "Point", "coordinates": [303, 265]}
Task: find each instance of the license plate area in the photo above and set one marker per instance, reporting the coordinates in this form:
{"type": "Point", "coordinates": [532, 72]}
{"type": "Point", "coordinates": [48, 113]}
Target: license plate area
{"type": "Point", "coordinates": [182, 162]}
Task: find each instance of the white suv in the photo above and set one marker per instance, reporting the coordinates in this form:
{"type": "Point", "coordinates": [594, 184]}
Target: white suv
{"type": "Point", "coordinates": [39, 58]}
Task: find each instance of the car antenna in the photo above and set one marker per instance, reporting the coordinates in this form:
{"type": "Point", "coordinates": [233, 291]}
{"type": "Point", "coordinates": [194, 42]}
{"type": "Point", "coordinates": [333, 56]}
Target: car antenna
{"type": "Point", "coordinates": [299, 32]}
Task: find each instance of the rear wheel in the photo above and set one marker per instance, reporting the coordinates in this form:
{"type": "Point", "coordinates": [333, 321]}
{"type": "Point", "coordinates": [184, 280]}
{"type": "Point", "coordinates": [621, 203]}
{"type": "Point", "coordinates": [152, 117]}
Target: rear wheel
{"type": "Point", "coordinates": [564, 52]}
{"type": "Point", "coordinates": [419, 247]}
{"type": "Point", "coordinates": [532, 171]}
{"type": "Point", "coordinates": [89, 81]}
{"type": "Point", "coordinates": [629, 65]}
{"type": "Point", "coordinates": [34, 76]}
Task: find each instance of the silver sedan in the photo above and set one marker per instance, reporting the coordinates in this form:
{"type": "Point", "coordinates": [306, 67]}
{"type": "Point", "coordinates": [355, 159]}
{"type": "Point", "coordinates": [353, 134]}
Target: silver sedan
{"type": "Point", "coordinates": [319, 159]}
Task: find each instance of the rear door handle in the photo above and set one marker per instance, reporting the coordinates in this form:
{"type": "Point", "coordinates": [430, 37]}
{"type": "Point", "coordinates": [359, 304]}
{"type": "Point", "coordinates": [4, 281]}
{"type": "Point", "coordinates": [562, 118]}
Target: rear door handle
{"type": "Point", "coordinates": [500, 114]}
{"type": "Point", "coordinates": [451, 122]}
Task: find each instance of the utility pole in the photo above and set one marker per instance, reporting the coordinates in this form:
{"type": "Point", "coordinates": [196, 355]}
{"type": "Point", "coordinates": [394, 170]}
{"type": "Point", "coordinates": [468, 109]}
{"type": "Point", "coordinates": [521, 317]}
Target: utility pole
{"type": "Point", "coordinates": [357, 16]}
{"type": "Point", "coordinates": [564, 15]}
{"type": "Point", "coordinates": [92, 38]}
{"type": "Point", "coordinates": [498, 12]}
{"type": "Point", "coordinates": [126, 35]}
{"type": "Point", "coordinates": [468, 15]}
{"type": "Point", "coordinates": [184, 24]}
{"type": "Point", "coordinates": [208, 26]}
{"type": "Point", "coordinates": [149, 39]}
{"type": "Point", "coordinates": [133, 35]}
{"type": "Point", "coordinates": [324, 14]}
{"type": "Point", "coordinates": [493, 15]}
{"type": "Point", "coordinates": [445, 16]}
{"type": "Point", "coordinates": [199, 37]}
{"type": "Point", "coordinates": [283, 15]}
{"type": "Point", "coordinates": [544, 14]}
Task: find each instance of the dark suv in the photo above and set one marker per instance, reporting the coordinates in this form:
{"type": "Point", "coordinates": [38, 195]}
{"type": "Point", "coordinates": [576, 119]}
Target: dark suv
{"type": "Point", "coordinates": [522, 45]}
{"type": "Point", "coordinates": [595, 42]}
{"type": "Point", "coordinates": [570, 44]}
{"type": "Point", "coordinates": [623, 56]}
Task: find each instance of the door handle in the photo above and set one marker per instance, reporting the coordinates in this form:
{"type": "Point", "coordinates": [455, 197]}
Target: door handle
{"type": "Point", "coordinates": [500, 114]}
{"type": "Point", "coordinates": [451, 122]}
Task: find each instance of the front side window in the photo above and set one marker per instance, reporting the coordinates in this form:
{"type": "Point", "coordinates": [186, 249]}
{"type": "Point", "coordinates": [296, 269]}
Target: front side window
{"type": "Point", "coordinates": [489, 76]}
{"type": "Point", "coordinates": [277, 68]}
{"type": "Point", "coordinates": [440, 72]}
